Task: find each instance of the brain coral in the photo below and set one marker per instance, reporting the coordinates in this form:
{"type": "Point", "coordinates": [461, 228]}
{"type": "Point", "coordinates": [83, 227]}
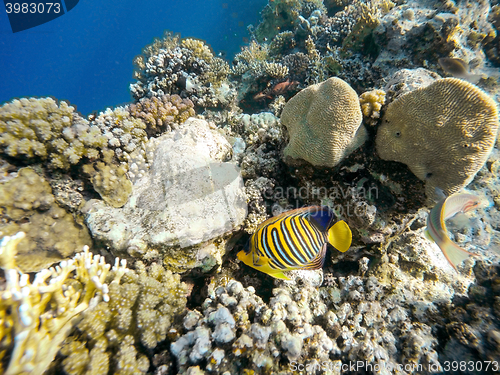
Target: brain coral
{"type": "Point", "coordinates": [443, 132]}
{"type": "Point", "coordinates": [324, 122]}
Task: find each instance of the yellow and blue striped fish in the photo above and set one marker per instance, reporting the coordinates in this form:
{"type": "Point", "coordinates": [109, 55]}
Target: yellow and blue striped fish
{"type": "Point", "coordinates": [296, 239]}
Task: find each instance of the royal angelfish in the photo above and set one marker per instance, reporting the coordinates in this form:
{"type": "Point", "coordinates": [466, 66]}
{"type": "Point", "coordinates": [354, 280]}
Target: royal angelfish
{"type": "Point", "coordinates": [436, 228]}
{"type": "Point", "coordinates": [296, 239]}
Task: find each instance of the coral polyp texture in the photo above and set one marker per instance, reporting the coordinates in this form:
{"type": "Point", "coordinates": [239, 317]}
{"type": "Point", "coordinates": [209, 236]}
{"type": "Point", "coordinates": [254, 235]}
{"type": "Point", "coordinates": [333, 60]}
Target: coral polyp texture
{"type": "Point", "coordinates": [42, 129]}
{"type": "Point", "coordinates": [111, 335]}
{"type": "Point", "coordinates": [371, 104]}
{"type": "Point", "coordinates": [162, 113]}
{"type": "Point", "coordinates": [188, 67]}
{"type": "Point", "coordinates": [124, 132]}
{"type": "Point", "coordinates": [36, 316]}
{"type": "Point", "coordinates": [324, 122]}
{"type": "Point", "coordinates": [443, 132]}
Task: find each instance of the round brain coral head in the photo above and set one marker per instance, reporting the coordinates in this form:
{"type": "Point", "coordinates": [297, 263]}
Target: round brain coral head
{"type": "Point", "coordinates": [443, 133]}
{"type": "Point", "coordinates": [324, 123]}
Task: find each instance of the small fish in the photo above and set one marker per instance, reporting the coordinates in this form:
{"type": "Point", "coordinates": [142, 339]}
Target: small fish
{"type": "Point", "coordinates": [296, 239]}
{"type": "Point", "coordinates": [436, 228]}
{"type": "Point", "coordinates": [458, 68]}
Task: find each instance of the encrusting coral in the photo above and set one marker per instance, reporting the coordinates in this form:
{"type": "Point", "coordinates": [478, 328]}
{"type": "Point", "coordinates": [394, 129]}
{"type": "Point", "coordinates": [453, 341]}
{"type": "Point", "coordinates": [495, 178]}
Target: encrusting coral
{"type": "Point", "coordinates": [140, 311]}
{"type": "Point", "coordinates": [27, 204]}
{"type": "Point", "coordinates": [36, 316]}
{"type": "Point", "coordinates": [42, 129]}
{"type": "Point", "coordinates": [324, 122]}
{"type": "Point", "coordinates": [110, 182]}
{"type": "Point", "coordinates": [443, 132]}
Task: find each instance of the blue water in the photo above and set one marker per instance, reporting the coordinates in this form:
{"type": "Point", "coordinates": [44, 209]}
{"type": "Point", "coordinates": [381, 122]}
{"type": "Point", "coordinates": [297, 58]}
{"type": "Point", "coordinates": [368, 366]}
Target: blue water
{"type": "Point", "coordinates": [85, 56]}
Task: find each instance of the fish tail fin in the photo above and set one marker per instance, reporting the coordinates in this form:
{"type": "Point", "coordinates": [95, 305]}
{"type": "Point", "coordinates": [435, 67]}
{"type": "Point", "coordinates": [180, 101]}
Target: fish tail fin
{"type": "Point", "coordinates": [454, 253]}
{"type": "Point", "coordinates": [340, 236]}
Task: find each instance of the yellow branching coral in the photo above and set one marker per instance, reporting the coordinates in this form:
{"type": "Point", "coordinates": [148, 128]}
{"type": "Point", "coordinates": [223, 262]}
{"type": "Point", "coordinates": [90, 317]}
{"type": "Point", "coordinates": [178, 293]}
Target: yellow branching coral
{"type": "Point", "coordinates": [276, 70]}
{"type": "Point", "coordinates": [253, 52]}
{"type": "Point", "coordinates": [199, 49]}
{"type": "Point", "coordinates": [219, 70]}
{"type": "Point", "coordinates": [36, 317]}
{"type": "Point", "coordinates": [371, 104]}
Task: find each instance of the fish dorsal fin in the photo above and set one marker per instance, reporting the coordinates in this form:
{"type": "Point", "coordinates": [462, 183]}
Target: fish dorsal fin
{"type": "Point", "coordinates": [321, 217]}
{"type": "Point", "coordinates": [318, 261]}
{"type": "Point", "coordinates": [340, 236]}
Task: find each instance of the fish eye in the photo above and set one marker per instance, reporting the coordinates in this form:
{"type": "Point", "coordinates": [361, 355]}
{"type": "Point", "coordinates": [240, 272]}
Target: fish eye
{"type": "Point", "coordinates": [428, 175]}
{"type": "Point", "coordinates": [397, 134]}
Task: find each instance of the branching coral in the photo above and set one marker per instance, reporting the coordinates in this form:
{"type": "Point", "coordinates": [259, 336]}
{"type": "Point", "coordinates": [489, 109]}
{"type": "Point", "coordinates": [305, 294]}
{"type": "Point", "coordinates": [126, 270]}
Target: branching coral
{"type": "Point", "coordinates": [276, 70]}
{"type": "Point", "coordinates": [36, 317]}
{"type": "Point", "coordinates": [123, 132]}
{"type": "Point", "coordinates": [187, 67]}
{"type": "Point", "coordinates": [141, 309]}
{"type": "Point", "coordinates": [163, 113]}
{"type": "Point", "coordinates": [42, 129]}
{"type": "Point", "coordinates": [371, 104]}
{"type": "Point", "coordinates": [200, 50]}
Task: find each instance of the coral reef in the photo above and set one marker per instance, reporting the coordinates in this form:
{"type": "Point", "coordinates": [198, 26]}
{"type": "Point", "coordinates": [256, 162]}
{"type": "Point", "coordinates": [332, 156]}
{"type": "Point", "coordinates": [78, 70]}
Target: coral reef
{"type": "Point", "coordinates": [187, 68]}
{"type": "Point", "coordinates": [418, 33]}
{"type": "Point", "coordinates": [124, 132]}
{"type": "Point", "coordinates": [164, 113]}
{"type": "Point", "coordinates": [139, 313]}
{"type": "Point", "coordinates": [443, 132]}
{"type": "Point", "coordinates": [36, 316]}
{"type": "Point", "coordinates": [42, 129]}
{"type": "Point", "coordinates": [182, 207]}
{"type": "Point", "coordinates": [324, 122]}
{"type": "Point", "coordinates": [52, 234]}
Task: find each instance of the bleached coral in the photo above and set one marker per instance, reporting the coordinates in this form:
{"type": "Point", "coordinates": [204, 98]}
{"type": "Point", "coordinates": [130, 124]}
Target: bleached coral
{"type": "Point", "coordinates": [36, 317]}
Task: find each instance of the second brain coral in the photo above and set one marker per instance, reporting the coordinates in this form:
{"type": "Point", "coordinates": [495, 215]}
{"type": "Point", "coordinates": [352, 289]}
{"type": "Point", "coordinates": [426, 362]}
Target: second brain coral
{"type": "Point", "coordinates": [324, 122]}
{"type": "Point", "coordinates": [443, 132]}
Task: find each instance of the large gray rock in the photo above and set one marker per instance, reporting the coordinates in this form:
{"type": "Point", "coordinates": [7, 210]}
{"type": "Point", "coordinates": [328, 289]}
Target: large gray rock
{"type": "Point", "coordinates": [190, 197]}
